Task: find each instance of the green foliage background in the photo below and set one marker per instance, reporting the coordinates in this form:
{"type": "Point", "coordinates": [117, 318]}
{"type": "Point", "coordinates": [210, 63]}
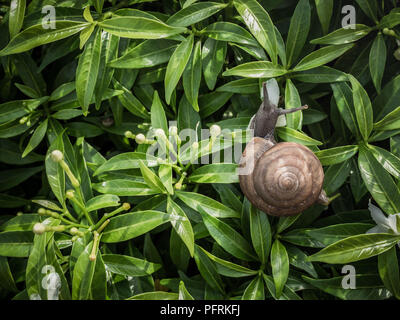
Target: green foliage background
{"type": "Point", "coordinates": [115, 66]}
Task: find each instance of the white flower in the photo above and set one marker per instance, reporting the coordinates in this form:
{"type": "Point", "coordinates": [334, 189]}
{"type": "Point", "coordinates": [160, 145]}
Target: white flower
{"type": "Point", "coordinates": [384, 224]}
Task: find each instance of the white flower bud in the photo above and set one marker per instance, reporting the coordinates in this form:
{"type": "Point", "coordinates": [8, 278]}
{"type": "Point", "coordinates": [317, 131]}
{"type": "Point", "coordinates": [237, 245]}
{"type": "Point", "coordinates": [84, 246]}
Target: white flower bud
{"type": "Point", "coordinates": [74, 231]}
{"type": "Point", "coordinates": [215, 130]}
{"type": "Point", "coordinates": [39, 228]}
{"type": "Point", "coordinates": [173, 130]}
{"type": "Point", "coordinates": [140, 138]}
{"type": "Point", "coordinates": [159, 132]}
{"type": "Point", "coordinates": [57, 156]}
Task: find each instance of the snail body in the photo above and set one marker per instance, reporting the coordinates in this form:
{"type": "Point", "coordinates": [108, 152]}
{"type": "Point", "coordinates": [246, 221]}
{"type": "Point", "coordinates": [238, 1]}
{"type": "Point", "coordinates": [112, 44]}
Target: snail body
{"type": "Point", "coordinates": [280, 179]}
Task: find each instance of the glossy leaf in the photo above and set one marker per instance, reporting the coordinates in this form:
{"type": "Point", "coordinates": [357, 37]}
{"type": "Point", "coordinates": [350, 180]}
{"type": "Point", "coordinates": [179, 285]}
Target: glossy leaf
{"type": "Point", "coordinates": [132, 225]}
{"type": "Point", "coordinates": [356, 248]}
{"type": "Point", "coordinates": [336, 155]}
{"type": "Point", "coordinates": [377, 61]}
{"type": "Point", "coordinates": [216, 173]}
{"type": "Point", "coordinates": [280, 266]}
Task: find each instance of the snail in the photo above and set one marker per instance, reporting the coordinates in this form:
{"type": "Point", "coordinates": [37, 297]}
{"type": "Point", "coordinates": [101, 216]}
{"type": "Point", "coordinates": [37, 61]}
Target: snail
{"type": "Point", "coordinates": [280, 179]}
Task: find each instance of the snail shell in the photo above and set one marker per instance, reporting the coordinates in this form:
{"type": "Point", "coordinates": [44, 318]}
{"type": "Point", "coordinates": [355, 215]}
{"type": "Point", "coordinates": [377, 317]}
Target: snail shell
{"type": "Point", "coordinates": [282, 179]}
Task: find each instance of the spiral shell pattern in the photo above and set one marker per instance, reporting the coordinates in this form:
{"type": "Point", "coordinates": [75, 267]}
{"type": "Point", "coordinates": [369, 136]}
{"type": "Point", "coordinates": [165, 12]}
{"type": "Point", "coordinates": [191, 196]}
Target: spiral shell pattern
{"type": "Point", "coordinates": [287, 179]}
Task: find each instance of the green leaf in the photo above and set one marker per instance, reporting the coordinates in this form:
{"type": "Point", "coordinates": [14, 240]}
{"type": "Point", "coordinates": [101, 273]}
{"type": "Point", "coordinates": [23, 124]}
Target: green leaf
{"type": "Point", "coordinates": [216, 173]}
{"type": "Point", "coordinates": [16, 16]}
{"type": "Point", "coordinates": [149, 53]}
{"type": "Point", "coordinates": [201, 203]}
{"type": "Point", "coordinates": [188, 118]}
{"type": "Point", "coordinates": [390, 20]}
{"type": "Point", "coordinates": [192, 76]}
{"type": "Point", "coordinates": [67, 114]}
{"type": "Point", "coordinates": [83, 274]}
{"type": "Point", "coordinates": [109, 51]}
{"type": "Point", "coordinates": [387, 159]}
{"type": "Point", "coordinates": [260, 69]}
{"type": "Point", "coordinates": [155, 295]}
{"type": "Point", "coordinates": [388, 267]}
{"type": "Point", "coordinates": [12, 110]}
{"type": "Point", "coordinates": [344, 35]}
{"type": "Point", "coordinates": [242, 86]}
{"type": "Point", "coordinates": [378, 182]}
{"type": "Point", "coordinates": [363, 108]}
{"type": "Point", "coordinates": [101, 202]}
{"type": "Point", "coordinates": [390, 122]}
{"type": "Point", "coordinates": [62, 91]}
{"type": "Point", "coordinates": [260, 25]}
{"type": "Point", "coordinates": [87, 71]}
{"type": "Point", "coordinates": [6, 278]}
{"type": "Point", "coordinates": [132, 225]}
{"type": "Point", "coordinates": [292, 100]}
{"type": "Point", "coordinates": [55, 174]}
{"type": "Point", "coordinates": [36, 138]}
{"type": "Point", "coordinates": [207, 269]}
{"type": "Point", "coordinates": [229, 269]}
{"type": "Point", "coordinates": [228, 238]}
{"type": "Point", "coordinates": [322, 74]}
{"type": "Point", "coordinates": [280, 266]}
{"type": "Point", "coordinates": [165, 174]}
{"type": "Point", "coordinates": [16, 243]}
{"type": "Point", "coordinates": [324, 11]}
{"type": "Point", "coordinates": [298, 30]}
{"type": "Point", "coordinates": [227, 31]}
{"type": "Point", "coordinates": [158, 118]}
{"type": "Point", "coordinates": [336, 176]}
{"type": "Point", "coordinates": [151, 179]}
{"type": "Point", "coordinates": [13, 177]}
{"type": "Point", "coordinates": [130, 102]}
{"type": "Point", "coordinates": [127, 160]}
{"type": "Point", "coordinates": [85, 35]}
{"type": "Point", "coordinates": [255, 289]}
{"type": "Point", "coordinates": [322, 56]}
{"type": "Point", "coordinates": [336, 155]}
{"type": "Point", "coordinates": [377, 61]}
{"type": "Point", "coordinates": [176, 66]}
{"type": "Point", "coordinates": [123, 187]}
{"type": "Point", "coordinates": [368, 287]}
{"type": "Point", "coordinates": [213, 57]}
{"type": "Point", "coordinates": [36, 35]}
{"type": "Point", "coordinates": [183, 293]}
{"type": "Point", "coordinates": [291, 135]}
{"type": "Point", "coordinates": [330, 234]}
{"type": "Point", "coordinates": [370, 8]}
{"type": "Point", "coordinates": [261, 234]}
{"type": "Point", "coordinates": [213, 101]}
{"type": "Point", "coordinates": [299, 259]}
{"type": "Point", "coordinates": [129, 266]}
{"type": "Point", "coordinates": [24, 222]}
{"type": "Point", "coordinates": [136, 27]}
{"type": "Point", "coordinates": [344, 102]}
{"type": "Point", "coordinates": [194, 13]}
{"type": "Point", "coordinates": [182, 226]}
{"type": "Point", "coordinates": [356, 248]}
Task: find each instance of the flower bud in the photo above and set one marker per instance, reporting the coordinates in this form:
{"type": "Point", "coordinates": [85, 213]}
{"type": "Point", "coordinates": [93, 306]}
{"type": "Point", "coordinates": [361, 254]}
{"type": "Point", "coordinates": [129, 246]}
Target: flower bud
{"type": "Point", "coordinates": [57, 156]}
{"type": "Point", "coordinates": [159, 132]}
{"type": "Point", "coordinates": [140, 138]}
{"type": "Point", "coordinates": [39, 228]}
{"type": "Point", "coordinates": [126, 206]}
{"type": "Point", "coordinates": [23, 120]}
{"type": "Point", "coordinates": [385, 31]}
{"type": "Point", "coordinates": [397, 54]}
{"type": "Point", "coordinates": [215, 130]}
{"type": "Point", "coordinates": [173, 130]}
{"type": "Point", "coordinates": [195, 145]}
{"type": "Point", "coordinates": [70, 194]}
{"type": "Point", "coordinates": [128, 134]}
{"type": "Point", "coordinates": [42, 211]}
